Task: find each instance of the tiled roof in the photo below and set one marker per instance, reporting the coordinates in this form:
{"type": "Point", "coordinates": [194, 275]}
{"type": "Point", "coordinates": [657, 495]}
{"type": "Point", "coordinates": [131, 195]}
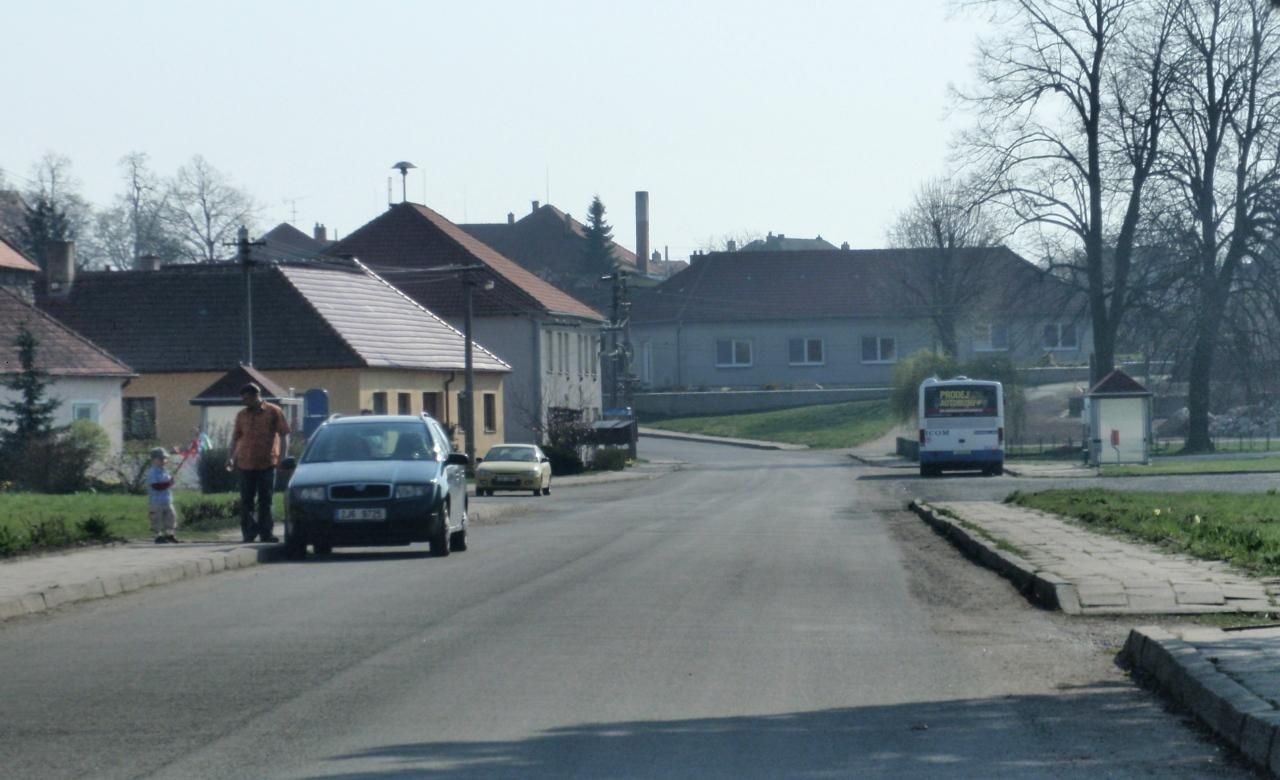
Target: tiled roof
{"type": "Point", "coordinates": [408, 240]}
{"type": "Point", "coordinates": [286, 242]}
{"type": "Point", "coordinates": [227, 387]}
{"type": "Point", "coordinates": [782, 243]}
{"type": "Point", "coordinates": [13, 259]}
{"type": "Point", "coordinates": [793, 285]}
{"type": "Point", "coordinates": [191, 318]}
{"type": "Point", "coordinates": [1118, 383]}
{"type": "Point", "coordinates": [59, 350]}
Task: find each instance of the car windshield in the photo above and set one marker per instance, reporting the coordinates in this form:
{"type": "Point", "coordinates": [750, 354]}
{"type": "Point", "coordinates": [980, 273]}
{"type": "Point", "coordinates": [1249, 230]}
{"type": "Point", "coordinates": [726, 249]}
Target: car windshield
{"type": "Point", "coordinates": [520, 454]}
{"type": "Point", "coordinates": [393, 440]}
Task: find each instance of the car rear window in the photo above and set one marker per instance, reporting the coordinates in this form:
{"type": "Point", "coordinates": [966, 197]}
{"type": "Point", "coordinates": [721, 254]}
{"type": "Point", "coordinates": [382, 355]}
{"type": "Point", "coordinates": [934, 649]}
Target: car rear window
{"type": "Point", "coordinates": [522, 454]}
{"type": "Point", "coordinates": [960, 401]}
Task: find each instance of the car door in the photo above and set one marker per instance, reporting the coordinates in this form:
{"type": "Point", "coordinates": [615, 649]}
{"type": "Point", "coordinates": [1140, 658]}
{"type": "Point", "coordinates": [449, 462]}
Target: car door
{"type": "Point", "coordinates": [455, 475]}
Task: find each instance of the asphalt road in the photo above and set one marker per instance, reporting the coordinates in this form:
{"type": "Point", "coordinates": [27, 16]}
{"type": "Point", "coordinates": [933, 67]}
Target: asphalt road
{"type": "Point", "coordinates": [756, 614]}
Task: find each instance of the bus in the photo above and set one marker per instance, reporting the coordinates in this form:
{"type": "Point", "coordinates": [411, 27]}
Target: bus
{"type": "Point", "coordinates": [961, 426]}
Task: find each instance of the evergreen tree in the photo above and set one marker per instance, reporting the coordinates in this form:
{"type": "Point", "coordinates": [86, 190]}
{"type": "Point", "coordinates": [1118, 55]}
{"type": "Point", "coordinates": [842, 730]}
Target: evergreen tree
{"type": "Point", "coordinates": [30, 416]}
{"type": "Point", "coordinates": [45, 222]}
{"type": "Point", "coordinates": [597, 256]}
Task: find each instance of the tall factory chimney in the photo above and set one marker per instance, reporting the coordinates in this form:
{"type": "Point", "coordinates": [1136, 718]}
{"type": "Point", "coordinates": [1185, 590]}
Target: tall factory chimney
{"type": "Point", "coordinates": [642, 231]}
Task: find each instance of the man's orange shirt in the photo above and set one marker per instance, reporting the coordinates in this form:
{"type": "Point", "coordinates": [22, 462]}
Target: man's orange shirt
{"type": "Point", "coordinates": [256, 441]}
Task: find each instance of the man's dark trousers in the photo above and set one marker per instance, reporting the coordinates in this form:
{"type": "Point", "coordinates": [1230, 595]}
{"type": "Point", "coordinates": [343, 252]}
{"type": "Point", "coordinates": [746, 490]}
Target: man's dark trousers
{"type": "Point", "coordinates": [260, 483]}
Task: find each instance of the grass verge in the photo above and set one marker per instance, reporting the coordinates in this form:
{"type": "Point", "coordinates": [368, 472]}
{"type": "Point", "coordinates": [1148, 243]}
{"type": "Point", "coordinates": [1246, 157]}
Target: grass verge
{"type": "Point", "coordinates": [1228, 465]}
{"type": "Point", "coordinates": [826, 426]}
{"type": "Point", "coordinates": [31, 522]}
{"type": "Point", "coordinates": [1241, 528]}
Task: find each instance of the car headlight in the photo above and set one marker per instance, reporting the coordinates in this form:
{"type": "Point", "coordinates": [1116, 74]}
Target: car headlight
{"type": "Point", "coordinates": [309, 493]}
{"type": "Point", "coordinates": [533, 472]}
{"type": "Point", "coordinates": [412, 491]}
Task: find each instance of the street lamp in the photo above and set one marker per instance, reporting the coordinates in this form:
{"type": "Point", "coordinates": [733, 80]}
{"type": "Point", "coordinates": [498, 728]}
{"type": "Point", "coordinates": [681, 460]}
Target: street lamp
{"type": "Point", "coordinates": [469, 283]}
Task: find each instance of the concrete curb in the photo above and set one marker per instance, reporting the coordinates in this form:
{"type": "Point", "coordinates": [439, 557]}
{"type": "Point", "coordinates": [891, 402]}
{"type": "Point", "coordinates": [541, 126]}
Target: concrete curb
{"type": "Point", "coordinates": [751, 444]}
{"type": "Point", "coordinates": [1246, 721]}
{"type": "Point", "coordinates": [1044, 588]}
{"type": "Point", "coordinates": [163, 573]}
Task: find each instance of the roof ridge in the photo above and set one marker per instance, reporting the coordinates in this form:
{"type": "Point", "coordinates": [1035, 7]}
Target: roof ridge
{"type": "Point", "coordinates": [74, 333]}
{"type": "Point", "coordinates": [424, 309]}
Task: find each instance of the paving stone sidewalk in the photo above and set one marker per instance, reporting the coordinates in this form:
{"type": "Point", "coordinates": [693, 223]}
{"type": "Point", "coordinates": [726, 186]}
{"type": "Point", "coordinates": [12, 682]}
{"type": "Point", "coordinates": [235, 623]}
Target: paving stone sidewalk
{"type": "Point", "coordinates": [1229, 679]}
{"type": "Point", "coordinates": [1081, 572]}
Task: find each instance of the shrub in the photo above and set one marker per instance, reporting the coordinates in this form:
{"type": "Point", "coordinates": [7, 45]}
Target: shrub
{"type": "Point", "coordinates": [609, 459]}
{"type": "Point", "coordinates": [212, 470]}
{"type": "Point", "coordinates": [564, 460]}
{"type": "Point", "coordinates": [910, 372]}
{"type": "Point", "coordinates": [50, 532]}
{"type": "Point", "coordinates": [58, 463]}
{"type": "Point", "coordinates": [95, 528]}
{"type": "Point", "coordinates": [208, 514]}
{"type": "Point", "coordinates": [129, 468]}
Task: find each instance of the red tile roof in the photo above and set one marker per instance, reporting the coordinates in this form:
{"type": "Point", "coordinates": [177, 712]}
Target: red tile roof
{"type": "Point", "coordinates": [59, 350]}
{"type": "Point", "coordinates": [11, 258]}
{"type": "Point", "coordinates": [408, 240]}
{"type": "Point", "coordinates": [1118, 383]}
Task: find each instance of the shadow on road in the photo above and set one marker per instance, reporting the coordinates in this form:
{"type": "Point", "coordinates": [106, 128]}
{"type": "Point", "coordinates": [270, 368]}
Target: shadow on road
{"type": "Point", "coordinates": [1079, 733]}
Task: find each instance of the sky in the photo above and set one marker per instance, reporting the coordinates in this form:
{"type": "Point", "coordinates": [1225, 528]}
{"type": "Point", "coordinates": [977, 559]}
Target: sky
{"type": "Point", "coordinates": [737, 116]}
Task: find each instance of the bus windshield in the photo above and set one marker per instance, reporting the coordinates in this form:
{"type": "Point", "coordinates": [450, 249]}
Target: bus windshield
{"type": "Point", "coordinates": [960, 401]}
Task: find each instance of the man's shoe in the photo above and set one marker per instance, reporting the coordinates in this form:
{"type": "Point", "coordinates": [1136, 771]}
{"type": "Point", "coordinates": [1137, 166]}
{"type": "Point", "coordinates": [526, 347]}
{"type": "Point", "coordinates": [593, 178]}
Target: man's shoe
{"type": "Point", "coordinates": [270, 539]}
{"type": "Point", "coordinates": [246, 540]}
{"type": "Point", "coordinates": [162, 540]}
{"type": "Point", "coordinates": [171, 539]}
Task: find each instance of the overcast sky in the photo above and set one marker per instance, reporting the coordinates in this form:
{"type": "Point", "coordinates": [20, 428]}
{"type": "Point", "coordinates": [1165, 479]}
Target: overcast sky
{"type": "Point", "coordinates": [801, 118]}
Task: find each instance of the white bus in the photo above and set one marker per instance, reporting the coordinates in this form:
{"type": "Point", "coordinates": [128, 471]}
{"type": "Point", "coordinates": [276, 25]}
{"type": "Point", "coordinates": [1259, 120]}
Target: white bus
{"type": "Point", "coordinates": [961, 425]}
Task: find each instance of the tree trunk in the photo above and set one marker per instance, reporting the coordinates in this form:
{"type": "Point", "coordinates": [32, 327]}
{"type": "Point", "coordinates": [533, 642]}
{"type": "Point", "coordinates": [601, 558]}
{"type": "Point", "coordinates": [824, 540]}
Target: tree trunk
{"type": "Point", "coordinates": [1199, 390]}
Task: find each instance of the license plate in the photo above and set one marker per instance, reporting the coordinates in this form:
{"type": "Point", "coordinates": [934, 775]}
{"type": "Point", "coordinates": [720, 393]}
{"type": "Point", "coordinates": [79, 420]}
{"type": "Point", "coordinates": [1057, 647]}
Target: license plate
{"type": "Point", "coordinates": [506, 480]}
{"type": "Point", "coordinates": [361, 514]}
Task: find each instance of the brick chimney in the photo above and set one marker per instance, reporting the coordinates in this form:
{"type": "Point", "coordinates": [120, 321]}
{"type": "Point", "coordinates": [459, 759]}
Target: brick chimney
{"type": "Point", "coordinates": [535, 206]}
{"type": "Point", "coordinates": [148, 262]}
{"type": "Point", "coordinates": [642, 231]}
{"type": "Point", "coordinates": [60, 266]}
{"type": "Point", "coordinates": [511, 218]}
{"type": "Point", "coordinates": [320, 233]}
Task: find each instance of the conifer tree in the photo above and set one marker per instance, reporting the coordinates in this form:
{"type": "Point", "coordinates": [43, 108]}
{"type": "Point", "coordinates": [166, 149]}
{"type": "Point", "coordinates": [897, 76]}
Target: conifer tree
{"type": "Point", "coordinates": [598, 258]}
{"type": "Point", "coordinates": [30, 415]}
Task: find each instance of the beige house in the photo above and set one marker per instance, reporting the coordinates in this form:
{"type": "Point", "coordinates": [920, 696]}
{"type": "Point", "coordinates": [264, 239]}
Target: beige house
{"type": "Point", "coordinates": [334, 325]}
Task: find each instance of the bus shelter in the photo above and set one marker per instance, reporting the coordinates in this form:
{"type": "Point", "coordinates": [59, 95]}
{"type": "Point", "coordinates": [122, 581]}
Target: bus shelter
{"type": "Point", "coordinates": [1117, 411]}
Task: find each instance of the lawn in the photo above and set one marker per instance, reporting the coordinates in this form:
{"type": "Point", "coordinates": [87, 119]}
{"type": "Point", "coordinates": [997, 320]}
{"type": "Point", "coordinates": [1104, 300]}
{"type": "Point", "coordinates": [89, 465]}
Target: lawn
{"type": "Point", "coordinates": [1242, 528]}
{"type": "Point", "coordinates": [38, 521]}
{"type": "Point", "coordinates": [826, 426]}
{"type": "Point", "coordinates": [1192, 467]}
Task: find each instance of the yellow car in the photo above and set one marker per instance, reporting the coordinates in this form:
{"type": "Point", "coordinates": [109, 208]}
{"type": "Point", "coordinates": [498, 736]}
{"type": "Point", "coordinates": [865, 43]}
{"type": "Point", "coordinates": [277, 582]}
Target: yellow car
{"type": "Point", "coordinates": [514, 467]}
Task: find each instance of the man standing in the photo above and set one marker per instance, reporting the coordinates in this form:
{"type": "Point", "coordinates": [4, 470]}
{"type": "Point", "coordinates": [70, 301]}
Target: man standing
{"type": "Point", "coordinates": [261, 436]}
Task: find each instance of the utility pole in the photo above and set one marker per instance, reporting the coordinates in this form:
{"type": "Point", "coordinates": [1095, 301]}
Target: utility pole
{"type": "Point", "coordinates": [243, 256]}
{"type": "Point", "coordinates": [619, 323]}
{"type": "Point", "coordinates": [468, 407]}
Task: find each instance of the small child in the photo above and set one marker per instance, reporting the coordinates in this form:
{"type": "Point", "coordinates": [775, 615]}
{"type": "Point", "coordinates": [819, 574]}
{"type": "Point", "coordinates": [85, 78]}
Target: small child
{"type": "Point", "coordinates": [164, 521]}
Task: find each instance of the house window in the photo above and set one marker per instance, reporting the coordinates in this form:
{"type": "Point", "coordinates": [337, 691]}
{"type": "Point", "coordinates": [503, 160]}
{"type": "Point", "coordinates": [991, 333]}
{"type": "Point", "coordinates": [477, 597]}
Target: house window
{"type": "Point", "coordinates": [1060, 335]}
{"type": "Point", "coordinates": [805, 352]}
{"type": "Point", "coordinates": [140, 418]}
{"type": "Point", "coordinates": [490, 413]}
{"type": "Point", "coordinates": [84, 410]}
{"type": "Point", "coordinates": [404, 404]}
{"type": "Point", "coordinates": [733, 353]}
{"type": "Point", "coordinates": [879, 349]}
{"type": "Point", "coordinates": [380, 403]}
{"type": "Point", "coordinates": [431, 404]}
{"type": "Point", "coordinates": [991, 337]}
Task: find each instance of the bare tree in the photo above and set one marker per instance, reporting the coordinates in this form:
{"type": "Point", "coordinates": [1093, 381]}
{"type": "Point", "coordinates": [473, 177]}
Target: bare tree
{"type": "Point", "coordinates": [943, 219]}
{"type": "Point", "coordinates": [135, 225]}
{"type": "Point", "coordinates": [1071, 112]}
{"type": "Point", "coordinates": [56, 212]}
{"type": "Point", "coordinates": [1221, 167]}
{"type": "Point", "coordinates": [205, 210]}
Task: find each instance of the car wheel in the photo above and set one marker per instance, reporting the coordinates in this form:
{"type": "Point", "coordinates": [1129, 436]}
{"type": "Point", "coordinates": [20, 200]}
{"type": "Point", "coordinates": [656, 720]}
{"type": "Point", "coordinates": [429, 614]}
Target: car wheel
{"type": "Point", "coordinates": [546, 491]}
{"type": "Point", "coordinates": [439, 540]}
{"type": "Point", "coordinates": [323, 548]}
{"type": "Point", "coordinates": [295, 545]}
{"type": "Point", "coordinates": [458, 541]}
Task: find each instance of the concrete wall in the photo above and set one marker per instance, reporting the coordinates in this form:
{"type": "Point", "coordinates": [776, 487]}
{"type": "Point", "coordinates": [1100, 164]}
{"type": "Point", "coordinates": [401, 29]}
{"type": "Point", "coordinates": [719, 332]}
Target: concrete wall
{"type": "Point", "coordinates": [697, 404]}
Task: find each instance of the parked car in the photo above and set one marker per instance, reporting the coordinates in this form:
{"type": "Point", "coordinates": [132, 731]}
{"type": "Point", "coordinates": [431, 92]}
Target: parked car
{"type": "Point", "coordinates": [377, 480]}
{"type": "Point", "coordinates": [514, 467]}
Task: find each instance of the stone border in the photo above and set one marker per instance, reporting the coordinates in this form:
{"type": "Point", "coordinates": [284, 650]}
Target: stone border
{"type": "Point", "coordinates": [200, 564]}
{"type": "Point", "coordinates": [1246, 721]}
{"type": "Point", "coordinates": [699, 438]}
{"type": "Point", "coordinates": [1044, 588]}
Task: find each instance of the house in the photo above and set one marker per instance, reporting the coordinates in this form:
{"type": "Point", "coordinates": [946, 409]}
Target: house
{"type": "Point", "coordinates": [550, 339]}
{"type": "Point", "coordinates": [781, 243]}
{"type": "Point", "coordinates": [286, 242]}
{"type": "Point", "coordinates": [334, 325]}
{"type": "Point", "coordinates": [550, 244]}
{"type": "Point", "coordinates": [839, 317]}
{"type": "Point", "coordinates": [84, 378]}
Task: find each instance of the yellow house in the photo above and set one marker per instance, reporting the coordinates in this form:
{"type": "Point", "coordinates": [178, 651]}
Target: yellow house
{"type": "Point", "coordinates": [335, 326]}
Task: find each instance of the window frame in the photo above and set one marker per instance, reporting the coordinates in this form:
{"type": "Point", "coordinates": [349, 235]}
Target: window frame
{"type": "Point", "coordinates": [733, 353]}
{"type": "Point", "coordinates": [130, 433]}
{"type": "Point", "coordinates": [378, 398]}
{"type": "Point", "coordinates": [880, 342]}
{"type": "Point", "coordinates": [989, 329]}
{"type": "Point", "coordinates": [489, 412]}
{"type": "Point", "coordinates": [805, 343]}
{"type": "Point", "coordinates": [1059, 329]}
{"type": "Point", "coordinates": [95, 410]}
